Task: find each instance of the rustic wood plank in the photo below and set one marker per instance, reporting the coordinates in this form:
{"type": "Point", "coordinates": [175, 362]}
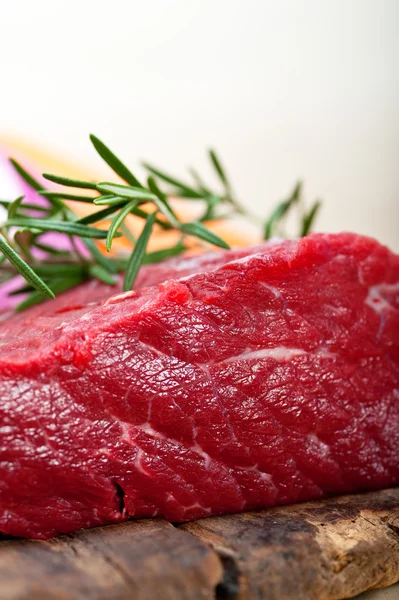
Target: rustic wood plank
{"type": "Point", "coordinates": [144, 560]}
{"type": "Point", "coordinates": [325, 550]}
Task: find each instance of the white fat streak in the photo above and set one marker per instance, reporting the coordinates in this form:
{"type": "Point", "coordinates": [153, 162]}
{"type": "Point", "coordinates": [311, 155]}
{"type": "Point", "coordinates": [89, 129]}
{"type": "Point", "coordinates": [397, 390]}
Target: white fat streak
{"type": "Point", "coordinates": [375, 299]}
{"type": "Point", "coordinates": [120, 297]}
{"type": "Point", "coordinates": [279, 353]}
{"type": "Point", "coordinates": [138, 461]}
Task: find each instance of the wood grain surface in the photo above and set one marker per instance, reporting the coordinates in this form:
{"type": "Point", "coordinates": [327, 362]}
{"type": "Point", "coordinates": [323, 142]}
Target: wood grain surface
{"type": "Point", "coordinates": [324, 550]}
{"type": "Point", "coordinates": [140, 560]}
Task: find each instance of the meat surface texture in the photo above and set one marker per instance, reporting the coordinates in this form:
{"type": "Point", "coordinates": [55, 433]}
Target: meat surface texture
{"type": "Point", "coordinates": [226, 382]}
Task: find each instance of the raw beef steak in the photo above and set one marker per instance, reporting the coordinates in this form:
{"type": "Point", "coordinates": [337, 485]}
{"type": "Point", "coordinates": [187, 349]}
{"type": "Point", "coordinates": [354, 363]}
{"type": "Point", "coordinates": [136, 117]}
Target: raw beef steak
{"type": "Point", "coordinates": [232, 381]}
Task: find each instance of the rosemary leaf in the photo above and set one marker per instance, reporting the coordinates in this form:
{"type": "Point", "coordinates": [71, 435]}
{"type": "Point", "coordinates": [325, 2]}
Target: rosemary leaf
{"type": "Point", "coordinates": [131, 193]}
{"type": "Point", "coordinates": [98, 272]}
{"type": "Point", "coordinates": [138, 212]}
{"type": "Point", "coordinates": [162, 202]}
{"type": "Point", "coordinates": [76, 183]}
{"type": "Point", "coordinates": [197, 229]}
{"type": "Point", "coordinates": [309, 218]}
{"type": "Point", "coordinates": [211, 203]}
{"type": "Point", "coordinates": [99, 256]}
{"type": "Point", "coordinates": [117, 222]}
{"type": "Point", "coordinates": [27, 205]}
{"type": "Point", "coordinates": [14, 206]}
{"type": "Point", "coordinates": [64, 196]}
{"type": "Point", "coordinates": [200, 183]}
{"type": "Point", "coordinates": [119, 264]}
{"type": "Point", "coordinates": [64, 269]}
{"type": "Point", "coordinates": [104, 197]}
{"type": "Point", "coordinates": [109, 200]}
{"type": "Point", "coordinates": [100, 215]}
{"type": "Point", "coordinates": [31, 181]}
{"type": "Point", "coordinates": [276, 215]}
{"type": "Point", "coordinates": [136, 258]}
{"type": "Point", "coordinates": [50, 249]}
{"type": "Point", "coordinates": [281, 210]}
{"type": "Point", "coordinates": [159, 255]}
{"type": "Point", "coordinates": [57, 286]}
{"type": "Point", "coordinates": [24, 269]}
{"type": "Point", "coordinates": [141, 213]}
{"type": "Point", "coordinates": [186, 190]}
{"type": "Point", "coordinates": [22, 290]}
{"type": "Point", "coordinates": [187, 194]}
{"type": "Point", "coordinates": [128, 234]}
{"type": "Point", "coordinates": [114, 162]}
{"type": "Point", "coordinates": [70, 227]}
{"type": "Point", "coordinates": [296, 192]}
{"type": "Point", "coordinates": [219, 169]}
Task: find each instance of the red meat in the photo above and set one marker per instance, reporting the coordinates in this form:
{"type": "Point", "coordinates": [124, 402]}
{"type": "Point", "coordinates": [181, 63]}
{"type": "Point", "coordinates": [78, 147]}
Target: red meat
{"type": "Point", "coordinates": [233, 381]}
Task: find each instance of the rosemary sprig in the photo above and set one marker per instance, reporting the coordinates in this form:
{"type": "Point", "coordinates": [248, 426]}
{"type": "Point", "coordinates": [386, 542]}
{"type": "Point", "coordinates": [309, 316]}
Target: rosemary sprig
{"type": "Point", "coordinates": [21, 233]}
{"type": "Point", "coordinates": [59, 271]}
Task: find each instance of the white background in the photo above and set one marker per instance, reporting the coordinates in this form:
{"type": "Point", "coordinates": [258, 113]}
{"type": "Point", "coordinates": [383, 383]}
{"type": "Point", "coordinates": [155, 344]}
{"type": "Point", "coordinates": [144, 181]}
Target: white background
{"type": "Point", "coordinates": [284, 89]}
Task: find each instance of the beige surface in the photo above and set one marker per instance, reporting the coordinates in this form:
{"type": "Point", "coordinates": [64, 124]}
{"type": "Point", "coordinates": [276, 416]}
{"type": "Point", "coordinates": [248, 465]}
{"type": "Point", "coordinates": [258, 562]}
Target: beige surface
{"type": "Point", "coordinates": [391, 593]}
{"type": "Point", "coordinates": [284, 89]}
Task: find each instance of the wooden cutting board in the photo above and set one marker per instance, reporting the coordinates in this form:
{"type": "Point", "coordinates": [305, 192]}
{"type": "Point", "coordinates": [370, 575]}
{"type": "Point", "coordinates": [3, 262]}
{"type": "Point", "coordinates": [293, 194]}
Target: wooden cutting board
{"type": "Point", "coordinates": [323, 550]}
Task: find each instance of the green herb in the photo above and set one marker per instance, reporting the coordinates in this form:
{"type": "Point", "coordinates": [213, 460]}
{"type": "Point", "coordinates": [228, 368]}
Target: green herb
{"type": "Point", "coordinates": [98, 272]}
{"type": "Point", "coordinates": [24, 269]}
{"type": "Point", "coordinates": [162, 203]}
{"type": "Point", "coordinates": [117, 222]}
{"type": "Point", "coordinates": [158, 255]}
{"type": "Point", "coordinates": [309, 218]}
{"type": "Point", "coordinates": [274, 223]}
{"type": "Point", "coordinates": [123, 191]}
{"type": "Point", "coordinates": [138, 254]}
{"type": "Point", "coordinates": [113, 161]}
{"type": "Point", "coordinates": [29, 205]}
{"type": "Point", "coordinates": [21, 234]}
{"type": "Point", "coordinates": [60, 226]}
{"type": "Point", "coordinates": [14, 206]}
{"type": "Point", "coordinates": [182, 189]}
{"type": "Point", "coordinates": [64, 196]}
{"type": "Point", "coordinates": [87, 185]}
{"type": "Point", "coordinates": [31, 181]}
{"type": "Point", "coordinates": [101, 215]}
{"type": "Point", "coordinates": [197, 229]}
{"type": "Point", "coordinates": [58, 285]}
{"type": "Point", "coordinates": [98, 257]}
